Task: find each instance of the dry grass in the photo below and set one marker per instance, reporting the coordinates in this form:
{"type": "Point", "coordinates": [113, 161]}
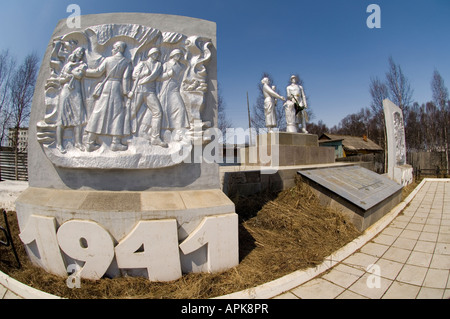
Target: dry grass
{"type": "Point", "coordinates": [278, 234]}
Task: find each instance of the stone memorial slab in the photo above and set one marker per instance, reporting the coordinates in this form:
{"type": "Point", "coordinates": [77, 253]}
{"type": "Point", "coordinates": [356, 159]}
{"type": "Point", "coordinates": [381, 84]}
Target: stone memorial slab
{"type": "Point", "coordinates": [355, 189]}
{"type": "Point", "coordinates": [397, 168]}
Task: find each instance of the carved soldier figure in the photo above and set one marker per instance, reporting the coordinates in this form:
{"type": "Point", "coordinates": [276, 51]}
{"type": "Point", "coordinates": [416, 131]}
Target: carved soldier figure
{"type": "Point", "coordinates": [295, 107]}
{"type": "Point", "coordinates": [269, 104]}
{"type": "Point", "coordinates": [109, 116]}
{"type": "Point", "coordinates": [145, 76]}
{"type": "Point", "coordinates": [175, 114]}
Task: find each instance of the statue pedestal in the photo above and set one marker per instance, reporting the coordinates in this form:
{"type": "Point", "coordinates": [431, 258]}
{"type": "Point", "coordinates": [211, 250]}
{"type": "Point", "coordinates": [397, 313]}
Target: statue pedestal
{"type": "Point", "coordinates": [286, 149]}
{"type": "Point", "coordinates": [403, 174]}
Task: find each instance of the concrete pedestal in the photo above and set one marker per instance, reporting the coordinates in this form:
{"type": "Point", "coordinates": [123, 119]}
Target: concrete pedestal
{"type": "Point", "coordinates": [286, 149]}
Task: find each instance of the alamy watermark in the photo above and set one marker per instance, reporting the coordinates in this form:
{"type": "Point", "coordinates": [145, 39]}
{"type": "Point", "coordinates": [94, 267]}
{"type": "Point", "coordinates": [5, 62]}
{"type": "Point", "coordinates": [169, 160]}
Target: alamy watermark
{"type": "Point", "coordinates": [374, 19]}
{"type": "Point", "coordinates": [74, 279]}
{"type": "Point", "coordinates": [73, 21]}
{"type": "Point", "coordinates": [373, 280]}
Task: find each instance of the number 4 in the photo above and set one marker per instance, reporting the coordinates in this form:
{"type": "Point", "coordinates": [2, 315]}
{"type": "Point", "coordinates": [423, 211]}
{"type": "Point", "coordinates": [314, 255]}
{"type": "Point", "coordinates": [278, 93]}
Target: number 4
{"type": "Point", "coordinates": [160, 255]}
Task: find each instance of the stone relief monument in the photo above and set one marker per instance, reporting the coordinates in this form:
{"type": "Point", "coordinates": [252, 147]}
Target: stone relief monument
{"type": "Point", "coordinates": [397, 168]}
{"type": "Point", "coordinates": [295, 107]}
{"type": "Point", "coordinates": [98, 84]}
{"type": "Point", "coordinates": [115, 186]}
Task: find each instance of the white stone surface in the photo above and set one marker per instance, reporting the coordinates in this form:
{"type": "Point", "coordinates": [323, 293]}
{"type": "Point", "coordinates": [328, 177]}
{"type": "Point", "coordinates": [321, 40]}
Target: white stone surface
{"type": "Point", "coordinates": [89, 244]}
{"type": "Point", "coordinates": [136, 150]}
{"type": "Point", "coordinates": [39, 236]}
{"type": "Point", "coordinates": [160, 254]}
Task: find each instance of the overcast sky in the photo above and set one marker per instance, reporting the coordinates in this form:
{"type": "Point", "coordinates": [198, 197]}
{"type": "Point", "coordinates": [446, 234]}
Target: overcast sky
{"type": "Point", "coordinates": [327, 42]}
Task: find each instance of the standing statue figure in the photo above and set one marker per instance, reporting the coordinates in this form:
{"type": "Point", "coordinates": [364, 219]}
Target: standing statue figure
{"type": "Point", "coordinates": [269, 104]}
{"type": "Point", "coordinates": [174, 111]}
{"type": "Point", "coordinates": [110, 116]}
{"type": "Point", "coordinates": [145, 76]}
{"type": "Point", "coordinates": [295, 107]}
{"type": "Point", "coordinates": [71, 106]}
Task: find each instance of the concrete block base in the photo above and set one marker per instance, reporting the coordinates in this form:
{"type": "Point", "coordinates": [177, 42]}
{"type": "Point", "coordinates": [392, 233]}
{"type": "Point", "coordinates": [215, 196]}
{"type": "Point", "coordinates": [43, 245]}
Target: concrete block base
{"type": "Point", "coordinates": [286, 149]}
{"type": "Point", "coordinates": [207, 215]}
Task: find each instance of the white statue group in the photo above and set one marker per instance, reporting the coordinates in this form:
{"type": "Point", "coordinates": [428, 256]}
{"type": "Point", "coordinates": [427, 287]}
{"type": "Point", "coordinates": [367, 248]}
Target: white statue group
{"type": "Point", "coordinates": [295, 106]}
{"type": "Point", "coordinates": [109, 115]}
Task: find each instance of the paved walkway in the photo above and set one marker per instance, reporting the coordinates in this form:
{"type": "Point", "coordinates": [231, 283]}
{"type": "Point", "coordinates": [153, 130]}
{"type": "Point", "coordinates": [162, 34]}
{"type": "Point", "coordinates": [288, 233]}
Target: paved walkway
{"type": "Point", "coordinates": [409, 259]}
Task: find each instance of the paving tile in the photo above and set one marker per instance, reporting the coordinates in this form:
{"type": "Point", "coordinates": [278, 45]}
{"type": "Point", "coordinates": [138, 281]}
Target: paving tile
{"type": "Point", "coordinates": [392, 231]}
{"type": "Point", "coordinates": [444, 229]}
{"type": "Point", "coordinates": [286, 295]}
{"type": "Point", "coordinates": [418, 220]}
{"type": "Point", "coordinates": [404, 243]}
{"type": "Point", "coordinates": [10, 295]}
{"type": "Point", "coordinates": [433, 221]}
{"type": "Point", "coordinates": [430, 293]}
{"type": "Point", "coordinates": [446, 294]}
{"type": "Point", "coordinates": [317, 289]}
{"type": "Point", "coordinates": [368, 286]}
{"type": "Point", "coordinates": [428, 236]}
{"type": "Point", "coordinates": [402, 218]}
{"type": "Point", "coordinates": [442, 249]}
{"type": "Point", "coordinates": [436, 278]}
{"type": "Point", "coordinates": [360, 260]}
{"type": "Point", "coordinates": [419, 215]}
{"type": "Point", "coordinates": [418, 258]}
{"type": "Point", "coordinates": [3, 290]}
{"type": "Point", "coordinates": [389, 269]}
{"type": "Point", "coordinates": [397, 254]}
{"type": "Point", "coordinates": [400, 290]}
{"type": "Point", "coordinates": [384, 239]}
{"type": "Point", "coordinates": [340, 278]}
{"type": "Point", "coordinates": [374, 249]}
{"type": "Point", "coordinates": [425, 246]}
{"type": "Point", "coordinates": [440, 262]}
{"type": "Point", "coordinates": [349, 270]}
{"type": "Point", "coordinates": [399, 224]}
{"type": "Point", "coordinates": [431, 228]}
{"type": "Point", "coordinates": [443, 238]}
{"type": "Point", "coordinates": [410, 234]}
{"type": "Point", "coordinates": [413, 275]}
{"type": "Point", "coordinates": [350, 295]}
{"type": "Point", "coordinates": [445, 222]}
{"type": "Point", "coordinates": [413, 226]}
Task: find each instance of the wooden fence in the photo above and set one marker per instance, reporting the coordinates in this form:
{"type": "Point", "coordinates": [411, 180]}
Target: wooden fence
{"type": "Point", "coordinates": [8, 170]}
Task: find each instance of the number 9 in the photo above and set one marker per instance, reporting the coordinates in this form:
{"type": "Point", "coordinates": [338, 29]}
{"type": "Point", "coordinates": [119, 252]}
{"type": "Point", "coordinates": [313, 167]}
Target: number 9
{"type": "Point", "coordinates": [89, 242]}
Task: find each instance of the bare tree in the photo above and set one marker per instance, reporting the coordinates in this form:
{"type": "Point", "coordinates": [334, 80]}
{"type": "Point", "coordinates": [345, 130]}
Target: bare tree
{"type": "Point", "coordinates": [21, 90]}
{"type": "Point", "coordinates": [7, 65]}
{"type": "Point", "coordinates": [379, 92]}
{"type": "Point", "coordinates": [400, 91]}
{"type": "Point", "coordinates": [223, 122]}
{"type": "Point", "coordinates": [440, 99]}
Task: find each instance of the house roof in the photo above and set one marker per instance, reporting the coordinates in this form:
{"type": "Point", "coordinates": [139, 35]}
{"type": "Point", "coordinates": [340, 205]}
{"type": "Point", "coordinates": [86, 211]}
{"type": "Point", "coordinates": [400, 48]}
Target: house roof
{"type": "Point", "coordinates": [352, 143]}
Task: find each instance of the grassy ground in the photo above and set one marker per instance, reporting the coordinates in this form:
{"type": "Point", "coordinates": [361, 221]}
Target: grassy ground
{"type": "Point", "coordinates": [278, 234]}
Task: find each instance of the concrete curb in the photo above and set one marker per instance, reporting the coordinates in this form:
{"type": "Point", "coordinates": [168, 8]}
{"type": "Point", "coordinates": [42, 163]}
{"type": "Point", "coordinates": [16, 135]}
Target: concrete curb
{"type": "Point", "coordinates": [22, 290]}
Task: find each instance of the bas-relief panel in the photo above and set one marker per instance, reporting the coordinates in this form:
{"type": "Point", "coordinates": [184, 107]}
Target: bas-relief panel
{"type": "Point", "coordinates": [124, 96]}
